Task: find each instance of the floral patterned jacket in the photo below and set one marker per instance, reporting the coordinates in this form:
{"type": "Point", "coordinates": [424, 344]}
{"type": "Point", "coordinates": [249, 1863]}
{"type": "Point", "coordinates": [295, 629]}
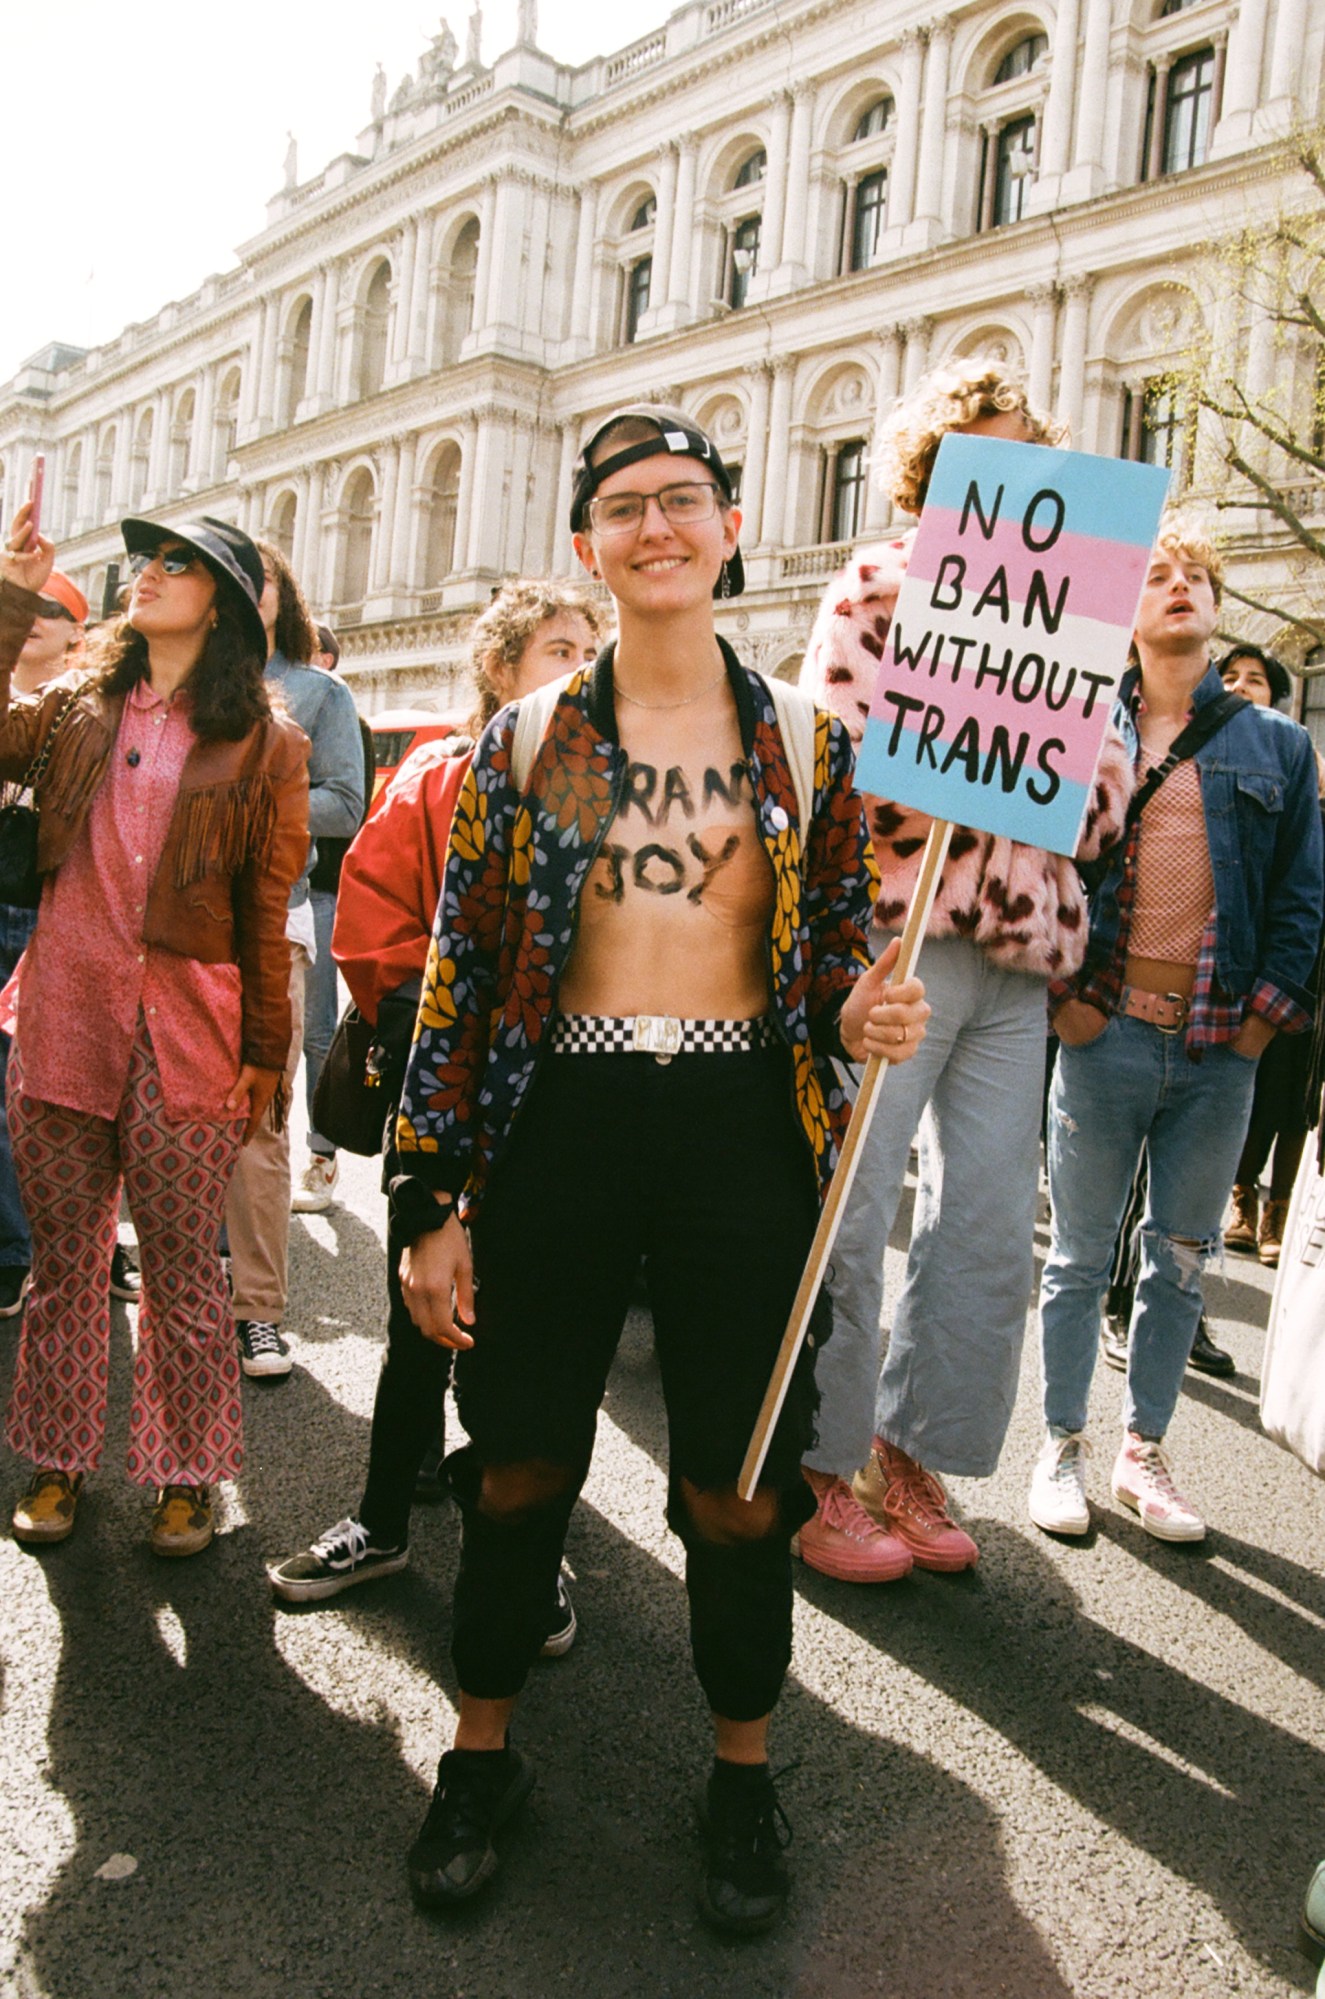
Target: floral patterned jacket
{"type": "Point", "coordinates": [506, 920]}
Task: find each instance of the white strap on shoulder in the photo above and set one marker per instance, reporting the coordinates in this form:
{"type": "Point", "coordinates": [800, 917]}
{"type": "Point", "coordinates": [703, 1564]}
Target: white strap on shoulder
{"type": "Point", "coordinates": [795, 712]}
{"type": "Point", "coordinates": [531, 725]}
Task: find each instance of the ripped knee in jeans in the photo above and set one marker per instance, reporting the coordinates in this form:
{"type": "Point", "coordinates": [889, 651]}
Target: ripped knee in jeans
{"type": "Point", "coordinates": [1191, 1256]}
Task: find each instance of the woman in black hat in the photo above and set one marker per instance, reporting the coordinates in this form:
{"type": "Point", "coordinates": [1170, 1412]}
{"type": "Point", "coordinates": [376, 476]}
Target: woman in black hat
{"type": "Point", "coordinates": [152, 1007]}
{"type": "Point", "coordinates": [650, 943]}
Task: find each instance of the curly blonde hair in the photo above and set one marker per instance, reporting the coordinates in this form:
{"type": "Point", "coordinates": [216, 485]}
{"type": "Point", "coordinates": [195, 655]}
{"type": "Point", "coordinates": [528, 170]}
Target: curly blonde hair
{"type": "Point", "coordinates": [959, 392]}
{"type": "Point", "coordinates": [1184, 533]}
{"type": "Point", "coordinates": [500, 634]}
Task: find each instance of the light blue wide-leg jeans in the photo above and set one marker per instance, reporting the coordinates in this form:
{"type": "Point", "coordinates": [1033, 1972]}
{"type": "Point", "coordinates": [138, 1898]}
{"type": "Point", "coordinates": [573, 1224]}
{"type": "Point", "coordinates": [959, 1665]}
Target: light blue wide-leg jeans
{"type": "Point", "coordinates": [975, 1088]}
{"type": "Point", "coordinates": [1135, 1085]}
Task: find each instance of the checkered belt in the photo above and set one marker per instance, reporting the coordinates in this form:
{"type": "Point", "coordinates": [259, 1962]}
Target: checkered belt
{"type": "Point", "coordinates": [658, 1034]}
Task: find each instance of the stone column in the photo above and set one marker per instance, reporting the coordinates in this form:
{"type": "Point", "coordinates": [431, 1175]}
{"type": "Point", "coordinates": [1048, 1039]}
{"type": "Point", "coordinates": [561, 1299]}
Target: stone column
{"type": "Point", "coordinates": [1135, 418]}
{"type": "Point", "coordinates": [1072, 367]}
{"type": "Point", "coordinates": [775, 186]}
{"type": "Point", "coordinates": [119, 476]}
{"type": "Point", "coordinates": [929, 180]}
{"type": "Point", "coordinates": [585, 231]}
{"type": "Point", "coordinates": [798, 185]}
{"type": "Point", "coordinates": [202, 444]}
{"type": "Point", "coordinates": [248, 394]}
{"type": "Point", "coordinates": [1242, 88]}
{"type": "Point", "coordinates": [323, 332]}
{"type": "Point", "coordinates": [779, 439]}
{"type": "Point", "coordinates": [515, 558]}
{"type": "Point", "coordinates": [1043, 300]}
{"type": "Point", "coordinates": [482, 497]}
{"type": "Point", "coordinates": [379, 567]}
{"type": "Point", "coordinates": [1056, 143]}
{"type": "Point", "coordinates": [756, 450]}
{"type": "Point", "coordinates": [563, 555]}
{"type": "Point", "coordinates": [878, 501]}
{"type": "Point", "coordinates": [402, 289]}
{"type": "Point", "coordinates": [464, 499]}
{"type": "Point", "coordinates": [1287, 52]}
{"type": "Point", "coordinates": [663, 221]}
{"type": "Point", "coordinates": [1220, 77]}
{"type": "Point", "coordinates": [267, 376]}
{"type": "Point", "coordinates": [483, 269]}
{"type": "Point", "coordinates": [989, 131]}
{"type": "Point", "coordinates": [1155, 156]}
{"type": "Point", "coordinates": [87, 477]}
{"type": "Point", "coordinates": [398, 572]}
{"type": "Point", "coordinates": [918, 332]}
{"type": "Point", "coordinates": [415, 349]}
{"type": "Point", "coordinates": [1088, 157]}
{"type": "Point", "coordinates": [159, 458]}
{"type": "Point", "coordinates": [500, 262]}
{"type": "Point", "coordinates": [902, 181]}
{"type": "Point", "coordinates": [678, 276]}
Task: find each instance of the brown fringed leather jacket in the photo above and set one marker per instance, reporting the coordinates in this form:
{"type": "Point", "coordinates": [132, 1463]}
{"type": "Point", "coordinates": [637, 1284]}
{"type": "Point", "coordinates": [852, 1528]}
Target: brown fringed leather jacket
{"type": "Point", "coordinates": [237, 841]}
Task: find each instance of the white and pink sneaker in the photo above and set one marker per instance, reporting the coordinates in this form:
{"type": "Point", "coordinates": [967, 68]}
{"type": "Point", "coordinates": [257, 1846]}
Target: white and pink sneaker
{"type": "Point", "coordinates": [1142, 1480]}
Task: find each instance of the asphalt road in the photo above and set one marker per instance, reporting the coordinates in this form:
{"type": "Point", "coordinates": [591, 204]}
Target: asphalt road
{"type": "Point", "coordinates": [1093, 1769]}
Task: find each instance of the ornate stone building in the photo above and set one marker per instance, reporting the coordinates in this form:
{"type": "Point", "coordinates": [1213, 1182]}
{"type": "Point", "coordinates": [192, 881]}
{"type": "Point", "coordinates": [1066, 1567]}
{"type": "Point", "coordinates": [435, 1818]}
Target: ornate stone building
{"type": "Point", "coordinates": [775, 214]}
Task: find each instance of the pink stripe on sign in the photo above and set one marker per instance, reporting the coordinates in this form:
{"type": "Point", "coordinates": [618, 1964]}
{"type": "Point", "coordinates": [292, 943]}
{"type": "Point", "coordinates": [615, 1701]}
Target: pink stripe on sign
{"type": "Point", "coordinates": [1103, 577]}
{"type": "Point", "coordinates": [1079, 734]}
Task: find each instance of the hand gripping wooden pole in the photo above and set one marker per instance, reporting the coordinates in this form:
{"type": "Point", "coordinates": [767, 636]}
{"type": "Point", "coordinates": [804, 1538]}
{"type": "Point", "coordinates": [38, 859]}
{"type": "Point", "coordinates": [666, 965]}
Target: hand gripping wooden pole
{"type": "Point", "coordinates": [927, 882]}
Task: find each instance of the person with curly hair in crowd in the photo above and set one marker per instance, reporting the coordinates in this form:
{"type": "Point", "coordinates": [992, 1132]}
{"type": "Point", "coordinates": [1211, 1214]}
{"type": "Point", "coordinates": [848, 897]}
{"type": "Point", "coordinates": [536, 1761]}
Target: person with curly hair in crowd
{"type": "Point", "coordinates": [153, 1017]}
{"type": "Point", "coordinates": [1006, 919]}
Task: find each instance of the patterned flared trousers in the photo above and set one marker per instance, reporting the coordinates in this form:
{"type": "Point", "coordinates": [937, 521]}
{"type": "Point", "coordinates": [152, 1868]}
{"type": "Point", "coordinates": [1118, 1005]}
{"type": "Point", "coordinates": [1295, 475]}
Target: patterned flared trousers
{"type": "Point", "coordinates": [186, 1422]}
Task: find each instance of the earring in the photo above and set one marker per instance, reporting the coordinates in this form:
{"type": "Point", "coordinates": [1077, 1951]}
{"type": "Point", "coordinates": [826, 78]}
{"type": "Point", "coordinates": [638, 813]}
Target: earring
{"type": "Point", "coordinates": [726, 581]}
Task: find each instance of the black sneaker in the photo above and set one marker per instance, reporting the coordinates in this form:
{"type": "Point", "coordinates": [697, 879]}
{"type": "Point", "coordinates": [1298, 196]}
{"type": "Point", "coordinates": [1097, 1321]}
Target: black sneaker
{"type": "Point", "coordinates": [262, 1351]}
{"type": "Point", "coordinates": [477, 1793]}
{"type": "Point", "coordinates": [343, 1556]}
{"type": "Point", "coordinates": [1206, 1357]}
{"type": "Point", "coordinates": [561, 1625]}
{"type": "Point", "coordinates": [14, 1281]}
{"type": "Point", "coordinates": [125, 1279]}
{"type": "Point", "coordinates": [1114, 1331]}
{"type": "Point", "coordinates": [431, 1486]}
{"type": "Point", "coordinates": [745, 1885]}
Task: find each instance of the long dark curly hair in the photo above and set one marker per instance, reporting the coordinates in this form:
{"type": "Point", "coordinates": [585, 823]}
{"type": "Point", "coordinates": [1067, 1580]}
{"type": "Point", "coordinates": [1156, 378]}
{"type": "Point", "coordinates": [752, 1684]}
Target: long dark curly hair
{"type": "Point", "coordinates": [226, 690]}
{"type": "Point", "coordinates": [295, 634]}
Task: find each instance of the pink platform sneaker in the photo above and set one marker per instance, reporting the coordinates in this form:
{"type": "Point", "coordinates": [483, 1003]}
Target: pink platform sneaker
{"type": "Point", "coordinates": [841, 1540]}
{"type": "Point", "coordinates": [910, 1503]}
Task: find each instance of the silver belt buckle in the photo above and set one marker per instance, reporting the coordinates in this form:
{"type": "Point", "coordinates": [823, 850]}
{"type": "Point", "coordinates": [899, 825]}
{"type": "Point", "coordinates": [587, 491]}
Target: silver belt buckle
{"type": "Point", "coordinates": [1181, 1002]}
{"type": "Point", "coordinates": [657, 1034]}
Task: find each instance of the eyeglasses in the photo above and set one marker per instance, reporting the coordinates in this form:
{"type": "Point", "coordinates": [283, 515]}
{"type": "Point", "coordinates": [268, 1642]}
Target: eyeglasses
{"type": "Point", "coordinates": [174, 561]}
{"type": "Point", "coordinates": [50, 607]}
{"type": "Point", "coordinates": [614, 513]}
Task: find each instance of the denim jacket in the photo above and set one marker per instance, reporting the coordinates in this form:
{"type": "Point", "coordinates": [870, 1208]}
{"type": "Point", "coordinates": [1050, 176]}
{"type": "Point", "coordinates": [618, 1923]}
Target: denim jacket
{"type": "Point", "coordinates": [515, 868]}
{"type": "Point", "coordinates": [1262, 818]}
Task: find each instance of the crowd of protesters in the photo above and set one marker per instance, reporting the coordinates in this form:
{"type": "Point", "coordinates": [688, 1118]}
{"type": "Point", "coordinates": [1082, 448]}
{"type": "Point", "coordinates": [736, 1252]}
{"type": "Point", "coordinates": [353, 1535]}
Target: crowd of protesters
{"type": "Point", "coordinates": [620, 947]}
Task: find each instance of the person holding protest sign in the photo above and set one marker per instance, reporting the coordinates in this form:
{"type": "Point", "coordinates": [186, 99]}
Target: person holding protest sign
{"type": "Point", "coordinates": [650, 943]}
{"type": "Point", "coordinates": [1007, 917]}
{"type": "Point", "coordinates": [1203, 937]}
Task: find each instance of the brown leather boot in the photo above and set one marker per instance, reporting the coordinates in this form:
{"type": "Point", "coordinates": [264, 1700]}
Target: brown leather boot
{"type": "Point", "coordinates": [1270, 1240]}
{"type": "Point", "coordinates": [1240, 1233]}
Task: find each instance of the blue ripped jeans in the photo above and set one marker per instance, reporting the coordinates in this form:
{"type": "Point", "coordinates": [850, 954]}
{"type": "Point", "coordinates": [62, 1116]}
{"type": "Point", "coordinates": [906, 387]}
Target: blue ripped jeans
{"type": "Point", "coordinates": [1132, 1086]}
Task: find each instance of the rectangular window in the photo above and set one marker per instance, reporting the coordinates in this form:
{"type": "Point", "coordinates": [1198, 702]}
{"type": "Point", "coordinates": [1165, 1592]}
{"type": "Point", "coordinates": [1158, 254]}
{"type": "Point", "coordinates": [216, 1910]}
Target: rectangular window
{"type": "Point", "coordinates": [1187, 107]}
{"type": "Point", "coordinates": [639, 279]}
{"type": "Point", "coordinates": [867, 220]}
{"type": "Point", "coordinates": [1166, 432]}
{"type": "Point", "coordinates": [744, 259]}
{"type": "Point", "coordinates": [848, 492]}
{"type": "Point", "coordinates": [1013, 171]}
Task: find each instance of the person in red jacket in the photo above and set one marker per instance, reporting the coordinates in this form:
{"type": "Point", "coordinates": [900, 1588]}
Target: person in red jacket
{"type": "Point", "coordinates": [531, 633]}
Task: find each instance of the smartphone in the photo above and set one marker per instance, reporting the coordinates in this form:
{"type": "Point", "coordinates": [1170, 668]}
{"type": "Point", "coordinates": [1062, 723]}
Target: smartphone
{"type": "Point", "coordinates": [35, 486]}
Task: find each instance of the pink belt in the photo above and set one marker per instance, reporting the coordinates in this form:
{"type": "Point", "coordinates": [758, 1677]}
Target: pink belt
{"type": "Point", "coordinates": [1166, 1011]}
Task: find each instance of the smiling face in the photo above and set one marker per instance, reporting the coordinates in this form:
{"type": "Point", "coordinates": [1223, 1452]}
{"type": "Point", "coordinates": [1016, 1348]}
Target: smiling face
{"type": "Point", "coordinates": [660, 567]}
{"type": "Point", "coordinates": [173, 607]}
{"type": "Point", "coordinates": [1178, 612]}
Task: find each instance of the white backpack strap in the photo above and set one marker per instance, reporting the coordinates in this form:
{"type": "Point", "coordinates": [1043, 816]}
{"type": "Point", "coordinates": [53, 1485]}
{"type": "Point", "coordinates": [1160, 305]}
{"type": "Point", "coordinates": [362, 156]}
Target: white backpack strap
{"type": "Point", "coordinates": [531, 725]}
{"type": "Point", "coordinates": [795, 713]}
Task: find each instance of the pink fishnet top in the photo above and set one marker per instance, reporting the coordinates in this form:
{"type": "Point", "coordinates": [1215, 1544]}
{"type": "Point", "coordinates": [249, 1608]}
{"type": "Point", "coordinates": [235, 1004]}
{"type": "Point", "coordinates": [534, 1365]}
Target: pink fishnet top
{"type": "Point", "coordinates": [88, 972]}
{"type": "Point", "coordinates": [1175, 885]}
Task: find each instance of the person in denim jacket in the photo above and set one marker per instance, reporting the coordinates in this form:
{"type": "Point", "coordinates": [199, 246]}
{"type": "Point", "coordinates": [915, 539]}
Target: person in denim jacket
{"type": "Point", "coordinates": [1203, 937]}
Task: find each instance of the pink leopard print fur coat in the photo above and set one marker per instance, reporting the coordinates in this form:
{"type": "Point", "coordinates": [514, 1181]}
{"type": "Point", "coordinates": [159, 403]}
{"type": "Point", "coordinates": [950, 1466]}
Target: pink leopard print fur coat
{"type": "Point", "coordinates": [1021, 905]}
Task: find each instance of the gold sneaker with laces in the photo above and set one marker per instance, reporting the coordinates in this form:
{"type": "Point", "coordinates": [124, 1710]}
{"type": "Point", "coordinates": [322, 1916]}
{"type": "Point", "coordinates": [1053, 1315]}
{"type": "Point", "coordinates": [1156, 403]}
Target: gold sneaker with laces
{"type": "Point", "coordinates": [182, 1520]}
{"type": "Point", "coordinates": [46, 1510]}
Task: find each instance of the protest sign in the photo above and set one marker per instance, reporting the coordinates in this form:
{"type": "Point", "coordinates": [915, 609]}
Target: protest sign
{"type": "Point", "coordinates": [1010, 636]}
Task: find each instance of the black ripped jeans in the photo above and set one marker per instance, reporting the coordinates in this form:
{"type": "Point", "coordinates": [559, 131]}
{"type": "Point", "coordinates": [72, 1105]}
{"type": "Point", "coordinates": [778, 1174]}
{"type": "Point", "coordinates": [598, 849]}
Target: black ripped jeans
{"type": "Point", "coordinates": [698, 1166]}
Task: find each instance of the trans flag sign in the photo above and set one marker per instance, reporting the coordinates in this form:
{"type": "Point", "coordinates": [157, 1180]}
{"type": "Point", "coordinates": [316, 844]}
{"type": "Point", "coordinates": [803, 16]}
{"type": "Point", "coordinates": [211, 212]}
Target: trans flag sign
{"type": "Point", "coordinates": [1010, 636]}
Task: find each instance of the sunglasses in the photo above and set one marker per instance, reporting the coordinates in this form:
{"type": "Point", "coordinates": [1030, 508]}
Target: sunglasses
{"type": "Point", "coordinates": [174, 562]}
{"type": "Point", "coordinates": [50, 607]}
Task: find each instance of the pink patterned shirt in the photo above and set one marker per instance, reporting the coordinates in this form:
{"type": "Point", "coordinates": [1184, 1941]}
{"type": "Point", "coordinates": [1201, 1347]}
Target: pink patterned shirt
{"type": "Point", "coordinates": [88, 972]}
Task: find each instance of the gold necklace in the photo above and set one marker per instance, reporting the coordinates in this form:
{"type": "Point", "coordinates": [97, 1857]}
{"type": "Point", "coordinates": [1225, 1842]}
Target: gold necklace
{"type": "Point", "coordinates": [685, 700]}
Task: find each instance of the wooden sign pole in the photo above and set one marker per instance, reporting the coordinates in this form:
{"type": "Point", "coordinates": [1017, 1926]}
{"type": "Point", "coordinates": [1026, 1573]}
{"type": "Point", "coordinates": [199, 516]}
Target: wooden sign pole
{"type": "Point", "coordinates": [922, 902]}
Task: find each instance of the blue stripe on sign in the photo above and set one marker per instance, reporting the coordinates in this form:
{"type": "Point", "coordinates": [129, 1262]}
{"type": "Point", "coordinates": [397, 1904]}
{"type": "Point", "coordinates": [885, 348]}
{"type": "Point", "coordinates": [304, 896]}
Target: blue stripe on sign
{"type": "Point", "coordinates": [1009, 814]}
{"type": "Point", "coordinates": [1110, 499]}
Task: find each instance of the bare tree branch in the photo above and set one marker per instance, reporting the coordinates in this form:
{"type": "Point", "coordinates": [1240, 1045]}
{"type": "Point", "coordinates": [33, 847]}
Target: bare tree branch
{"type": "Point", "coordinates": [1313, 628]}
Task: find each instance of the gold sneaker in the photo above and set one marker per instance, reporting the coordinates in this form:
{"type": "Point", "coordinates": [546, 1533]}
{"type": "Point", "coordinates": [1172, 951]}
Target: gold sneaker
{"type": "Point", "coordinates": [46, 1510]}
{"type": "Point", "coordinates": [182, 1520]}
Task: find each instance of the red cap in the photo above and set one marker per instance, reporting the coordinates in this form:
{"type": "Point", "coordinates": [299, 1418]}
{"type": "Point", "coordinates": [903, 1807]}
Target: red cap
{"type": "Point", "coordinates": [66, 592]}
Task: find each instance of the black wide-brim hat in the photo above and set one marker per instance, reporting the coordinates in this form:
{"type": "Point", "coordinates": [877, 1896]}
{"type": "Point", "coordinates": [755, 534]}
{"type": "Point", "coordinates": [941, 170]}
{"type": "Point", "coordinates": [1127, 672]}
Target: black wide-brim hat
{"type": "Point", "coordinates": [229, 553]}
{"type": "Point", "coordinates": [677, 434]}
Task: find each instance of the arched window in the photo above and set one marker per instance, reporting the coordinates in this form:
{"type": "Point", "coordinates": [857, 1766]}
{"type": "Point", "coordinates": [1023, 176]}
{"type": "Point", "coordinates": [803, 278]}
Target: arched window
{"type": "Point", "coordinates": [181, 432]}
{"type": "Point", "coordinates": [1022, 58]}
{"type": "Point", "coordinates": [357, 537]}
{"type": "Point", "coordinates": [1176, 7]}
{"type": "Point", "coordinates": [443, 510]}
{"type": "Point", "coordinates": [639, 280]}
{"type": "Point", "coordinates": [1188, 100]}
{"type": "Point", "coordinates": [751, 170]}
{"type": "Point", "coordinates": [873, 120]}
{"type": "Point", "coordinates": [457, 303]}
{"type": "Point", "coordinates": [301, 340]}
{"type": "Point", "coordinates": [281, 527]}
{"type": "Point", "coordinates": [374, 315]}
{"type": "Point", "coordinates": [105, 473]}
{"type": "Point", "coordinates": [645, 215]}
{"type": "Point", "coordinates": [142, 458]}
